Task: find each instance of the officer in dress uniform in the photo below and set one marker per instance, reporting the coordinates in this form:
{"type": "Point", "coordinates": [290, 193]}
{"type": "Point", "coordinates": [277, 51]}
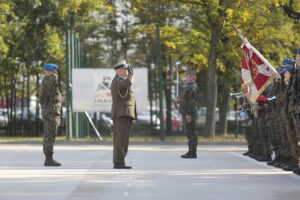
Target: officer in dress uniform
{"type": "Point", "coordinates": [123, 111]}
{"type": "Point", "coordinates": [188, 109]}
{"type": "Point", "coordinates": [50, 100]}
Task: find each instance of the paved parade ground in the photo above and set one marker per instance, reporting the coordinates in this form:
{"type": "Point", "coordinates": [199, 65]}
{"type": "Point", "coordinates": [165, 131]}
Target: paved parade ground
{"type": "Point", "coordinates": [219, 172]}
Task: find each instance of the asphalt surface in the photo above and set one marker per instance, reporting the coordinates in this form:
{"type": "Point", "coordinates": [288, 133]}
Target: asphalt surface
{"type": "Point", "coordinates": [220, 172]}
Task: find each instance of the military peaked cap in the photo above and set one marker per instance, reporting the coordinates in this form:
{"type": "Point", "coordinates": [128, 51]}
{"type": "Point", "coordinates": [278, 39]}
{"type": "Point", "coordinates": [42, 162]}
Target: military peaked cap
{"type": "Point", "coordinates": [121, 64]}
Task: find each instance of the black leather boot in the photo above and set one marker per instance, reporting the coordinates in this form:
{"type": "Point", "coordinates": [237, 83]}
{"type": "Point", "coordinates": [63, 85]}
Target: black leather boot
{"type": "Point", "coordinates": [49, 161]}
{"type": "Point", "coordinates": [121, 166]}
{"type": "Point", "coordinates": [280, 161]}
{"type": "Point", "coordinates": [189, 154]}
{"type": "Point", "coordinates": [292, 165]}
{"type": "Point", "coordinates": [264, 158]}
{"type": "Point", "coordinates": [272, 162]}
{"type": "Point", "coordinates": [297, 171]}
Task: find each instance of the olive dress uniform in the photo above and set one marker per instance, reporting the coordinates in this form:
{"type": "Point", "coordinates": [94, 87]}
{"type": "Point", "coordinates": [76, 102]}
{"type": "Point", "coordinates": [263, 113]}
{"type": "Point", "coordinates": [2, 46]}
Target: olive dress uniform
{"type": "Point", "coordinates": [123, 111]}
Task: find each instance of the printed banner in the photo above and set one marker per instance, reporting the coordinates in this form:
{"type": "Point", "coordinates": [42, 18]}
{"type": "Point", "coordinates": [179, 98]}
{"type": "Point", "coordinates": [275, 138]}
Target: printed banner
{"type": "Point", "coordinates": [91, 89]}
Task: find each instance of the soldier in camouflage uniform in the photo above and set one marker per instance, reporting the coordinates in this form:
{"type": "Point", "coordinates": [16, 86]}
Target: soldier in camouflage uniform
{"type": "Point", "coordinates": [276, 123]}
{"type": "Point", "coordinates": [188, 110]}
{"type": "Point", "coordinates": [50, 100]}
{"type": "Point", "coordinates": [293, 111]}
{"type": "Point", "coordinates": [272, 122]}
{"type": "Point", "coordinates": [289, 78]}
{"type": "Point", "coordinates": [297, 100]}
{"type": "Point", "coordinates": [284, 152]}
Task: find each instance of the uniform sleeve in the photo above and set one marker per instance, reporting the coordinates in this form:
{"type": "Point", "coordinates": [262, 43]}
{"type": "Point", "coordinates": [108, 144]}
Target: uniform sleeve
{"type": "Point", "coordinates": [126, 83]}
{"type": "Point", "coordinates": [193, 100]}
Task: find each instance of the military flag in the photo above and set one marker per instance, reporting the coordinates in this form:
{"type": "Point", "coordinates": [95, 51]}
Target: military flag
{"type": "Point", "coordinates": [257, 72]}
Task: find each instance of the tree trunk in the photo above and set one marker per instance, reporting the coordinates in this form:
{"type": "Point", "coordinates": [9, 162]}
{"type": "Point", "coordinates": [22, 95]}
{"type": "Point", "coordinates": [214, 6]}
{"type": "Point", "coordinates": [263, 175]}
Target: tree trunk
{"type": "Point", "coordinates": [37, 109]}
{"type": "Point", "coordinates": [150, 92]}
{"type": "Point", "coordinates": [15, 101]}
{"type": "Point", "coordinates": [12, 107]}
{"type": "Point", "coordinates": [223, 110]}
{"type": "Point", "coordinates": [168, 96]}
{"type": "Point", "coordinates": [6, 93]}
{"type": "Point", "coordinates": [212, 90]}
{"type": "Point", "coordinates": [28, 104]}
{"type": "Point", "coordinates": [22, 106]}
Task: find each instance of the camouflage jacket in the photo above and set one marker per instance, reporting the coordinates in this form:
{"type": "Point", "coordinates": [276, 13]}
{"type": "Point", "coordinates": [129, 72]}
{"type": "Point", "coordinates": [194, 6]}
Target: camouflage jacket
{"type": "Point", "coordinates": [290, 94]}
{"type": "Point", "coordinates": [296, 91]}
{"type": "Point", "coordinates": [270, 106]}
{"type": "Point", "coordinates": [50, 97]}
{"type": "Point", "coordinates": [280, 101]}
{"type": "Point", "coordinates": [189, 100]}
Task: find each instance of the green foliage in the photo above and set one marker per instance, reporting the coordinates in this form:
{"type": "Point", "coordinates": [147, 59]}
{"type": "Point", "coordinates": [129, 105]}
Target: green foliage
{"type": "Point", "coordinates": [32, 31]}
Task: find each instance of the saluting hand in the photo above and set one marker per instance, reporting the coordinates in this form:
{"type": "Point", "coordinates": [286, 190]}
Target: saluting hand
{"type": "Point", "coordinates": [188, 118]}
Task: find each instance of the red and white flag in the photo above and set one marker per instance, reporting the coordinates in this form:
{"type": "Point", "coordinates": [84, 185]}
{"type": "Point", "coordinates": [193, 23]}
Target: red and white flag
{"type": "Point", "coordinates": [257, 72]}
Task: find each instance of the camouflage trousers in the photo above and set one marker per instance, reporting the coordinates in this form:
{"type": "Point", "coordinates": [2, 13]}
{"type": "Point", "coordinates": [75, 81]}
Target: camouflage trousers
{"type": "Point", "coordinates": [51, 123]}
{"type": "Point", "coordinates": [292, 134]}
{"type": "Point", "coordinates": [275, 128]}
{"type": "Point", "coordinates": [255, 135]}
{"type": "Point", "coordinates": [263, 140]}
{"type": "Point", "coordinates": [249, 136]}
{"type": "Point", "coordinates": [296, 122]}
{"type": "Point", "coordinates": [285, 148]}
{"type": "Point", "coordinates": [189, 129]}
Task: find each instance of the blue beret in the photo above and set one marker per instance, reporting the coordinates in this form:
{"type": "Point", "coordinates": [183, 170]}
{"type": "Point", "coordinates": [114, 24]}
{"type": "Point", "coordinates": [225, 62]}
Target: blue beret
{"type": "Point", "coordinates": [288, 61]}
{"type": "Point", "coordinates": [282, 69]}
{"type": "Point", "coordinates": [298, 51]}
{"type": "Point", "coordinates": [50, 67]}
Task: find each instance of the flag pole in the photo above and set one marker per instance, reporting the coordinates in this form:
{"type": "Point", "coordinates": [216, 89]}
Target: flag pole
{"type": "Point", "coordinates": [240, 34]}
